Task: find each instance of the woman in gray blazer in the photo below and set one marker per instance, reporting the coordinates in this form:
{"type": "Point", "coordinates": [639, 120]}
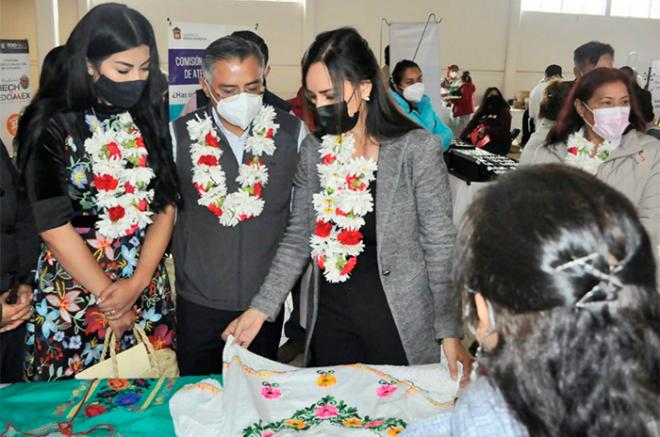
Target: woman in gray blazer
{"type": "Point", "coordinates": [380, 289]}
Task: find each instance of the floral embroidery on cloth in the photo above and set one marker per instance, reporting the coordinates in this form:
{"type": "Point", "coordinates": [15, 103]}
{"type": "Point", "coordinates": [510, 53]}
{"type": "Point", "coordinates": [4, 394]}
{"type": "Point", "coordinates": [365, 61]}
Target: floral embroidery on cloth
{"type": "Point", "coordinates": [340, 207]}
{"type": "Point", "coordinates": [67, 330]}
{"type": "Point", "coordinates": [333, 411]}
{"type": "Point", "coordinates": [262, 398]}
{"type": "Point", "coordinates": [209, 178]}
{"type": "Point", "coordinates": [586, 155]}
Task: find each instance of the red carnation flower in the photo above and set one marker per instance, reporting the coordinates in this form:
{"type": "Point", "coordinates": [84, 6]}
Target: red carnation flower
{"type": "Point", "coordinates": [572, 150]}
{"type": "Point", "coordinates": [355, 184]}
{"type": "Point", "coordinates": [323, 229]}
{"type": "Point", "coordinates": [139, 141]}
{"type": "Point", "coordinates": [128, 188]}
{"type": "Point", "coordinates": [211, 140]}
{"type": "Point", "coordinates": [350, 238]}
{"type": "Point", "coordinates": [270, 133]}
{"type": "Point", "coordinates": [143, 161]}
{"type": "Point", "coordinates": [116, 212]}
{"type": "Point", "coordinates": [215, 209]}
{"type": "Point", "coordinates": [349, 266]}
{"type": "Point", "coordinates": [105, 182]}
{"type": "Point", "coordinates": [329, 159]}
{"type": "Point", "coordinates": [143, 205]}
{"type": "Point", "coordinates": [257, 189]}
{"type": "Point", "coordinates": [320, 262]}
{"type": "Point", "coordinates": [113, 150]}
{"type": "Point", "coordinates": [209, 160]}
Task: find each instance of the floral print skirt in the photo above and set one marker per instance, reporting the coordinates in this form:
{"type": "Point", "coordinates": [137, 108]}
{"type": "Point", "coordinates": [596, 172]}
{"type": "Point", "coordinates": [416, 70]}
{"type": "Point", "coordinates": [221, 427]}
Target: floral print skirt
{"type": "Point", "coordinates": [67, 330]}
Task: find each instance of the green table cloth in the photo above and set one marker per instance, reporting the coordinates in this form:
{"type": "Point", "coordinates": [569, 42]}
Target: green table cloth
{"type": "Point", "coordinates": [111, 407]}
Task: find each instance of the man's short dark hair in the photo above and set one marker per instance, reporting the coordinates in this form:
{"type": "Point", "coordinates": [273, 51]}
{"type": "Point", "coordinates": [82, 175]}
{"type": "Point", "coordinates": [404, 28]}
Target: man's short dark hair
{"type": "Point", "coordinates": [590, 53]}
{"type": "Point", "coordinates": [553, 70]}
{"type": "Point", "coordinates": [253, 37]}
{"type": "Point", "coordinates": [229, 47]}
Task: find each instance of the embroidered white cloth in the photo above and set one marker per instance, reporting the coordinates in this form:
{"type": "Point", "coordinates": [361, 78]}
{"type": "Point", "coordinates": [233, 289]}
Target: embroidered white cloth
{"type": "Point", "coordinates": [263, 398]}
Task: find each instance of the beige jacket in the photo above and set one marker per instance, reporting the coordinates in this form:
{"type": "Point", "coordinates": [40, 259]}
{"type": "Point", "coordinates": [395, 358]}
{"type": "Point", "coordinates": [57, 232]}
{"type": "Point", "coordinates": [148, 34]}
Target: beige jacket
{"type": "Point", "coordinates": [633, 169]}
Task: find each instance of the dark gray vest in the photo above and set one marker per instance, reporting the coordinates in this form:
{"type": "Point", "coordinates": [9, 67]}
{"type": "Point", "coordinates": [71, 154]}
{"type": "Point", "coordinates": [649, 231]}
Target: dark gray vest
{"type": "Point", "coordinates": [223, 267]}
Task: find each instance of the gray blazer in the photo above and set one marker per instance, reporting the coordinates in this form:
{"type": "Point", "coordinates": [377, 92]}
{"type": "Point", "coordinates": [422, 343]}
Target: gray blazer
{"type": "Point", "coordinates": [415, 237]}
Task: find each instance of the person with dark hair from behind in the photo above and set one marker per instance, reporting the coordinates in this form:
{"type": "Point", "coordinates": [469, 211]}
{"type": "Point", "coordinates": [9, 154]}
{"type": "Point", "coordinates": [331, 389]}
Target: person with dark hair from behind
{"type": "Point", "coordinates": [645, 102]}
{"type": "Point", "coordinates": [200, 99]}
{"type": "Point", "coordinates": [601, 131]}
{"type": "Point", "coordinates": [565, 309]}
{"type": "Point", "coordinates": [407, 90]}
{"type": "Point", "coordinates": [380, 238]}
{"type": "Point", "coordinates": [96, 157]}
{"type": "Point", "coordinates": [555, 95]}
{"type": "Point", "coordinates": [490, 126]}
{"type": "Point", "coordinates": [592, 55]}
{"type": "Point", "coordinates": [19, 245]}
{"type": "Point", "coordinates": [269, 98]}
{"type": "Point", "coordinates": [552, 72]}
{"type": "Point", "coordinates": [386, 67]}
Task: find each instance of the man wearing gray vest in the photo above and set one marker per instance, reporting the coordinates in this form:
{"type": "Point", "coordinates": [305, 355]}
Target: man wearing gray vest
{"type": "Point", "coordinates": [236, 159]}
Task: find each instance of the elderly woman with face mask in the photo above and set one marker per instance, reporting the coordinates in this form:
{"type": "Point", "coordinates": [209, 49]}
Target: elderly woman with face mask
{"type": "Point", "coordinates": [601, 131]}
{"type": "Point", "coordinates": [407, 90]}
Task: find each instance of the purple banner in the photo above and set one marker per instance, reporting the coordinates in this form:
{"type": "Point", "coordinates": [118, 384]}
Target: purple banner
{"type": "Point", "coordinates": [185, 66]}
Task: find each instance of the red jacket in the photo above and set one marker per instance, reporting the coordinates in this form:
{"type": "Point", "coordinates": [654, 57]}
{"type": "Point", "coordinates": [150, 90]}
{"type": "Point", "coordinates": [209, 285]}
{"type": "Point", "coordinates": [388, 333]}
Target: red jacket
{"type": "Point", "coordinates": [464, 105]}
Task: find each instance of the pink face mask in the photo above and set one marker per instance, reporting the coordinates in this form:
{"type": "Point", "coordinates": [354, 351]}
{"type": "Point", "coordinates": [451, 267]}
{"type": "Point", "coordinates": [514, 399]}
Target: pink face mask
{"type": "Point", "coordinates": [610, 123]}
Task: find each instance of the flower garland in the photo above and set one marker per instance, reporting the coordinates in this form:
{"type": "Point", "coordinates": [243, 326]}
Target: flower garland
{"type": "Point", "coordinates": [340, 207]}
{"type": "Point", "coordinates": [586, 155]}
{"type": "Point", "coordinates": [209, 177]}
{"type": "Point", "coordinates": [121, 176]}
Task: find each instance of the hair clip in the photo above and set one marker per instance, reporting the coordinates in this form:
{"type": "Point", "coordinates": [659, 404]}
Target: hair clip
{"type": "Point", "coordinates": [608, 283]}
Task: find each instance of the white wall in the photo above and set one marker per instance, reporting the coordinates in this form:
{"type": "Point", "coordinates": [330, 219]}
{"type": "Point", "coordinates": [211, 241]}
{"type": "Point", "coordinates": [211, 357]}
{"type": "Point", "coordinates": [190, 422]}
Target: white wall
{"type": "Point", "coordinates": [479, 35]}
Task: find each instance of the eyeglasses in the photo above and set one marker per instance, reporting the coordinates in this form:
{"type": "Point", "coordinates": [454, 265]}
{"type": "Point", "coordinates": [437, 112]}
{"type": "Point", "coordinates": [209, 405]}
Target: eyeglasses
{"type": "Point", "coordinates": [255, 88]}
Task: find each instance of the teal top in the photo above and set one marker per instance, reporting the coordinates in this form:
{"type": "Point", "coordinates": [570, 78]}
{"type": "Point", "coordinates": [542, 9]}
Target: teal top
{"type": "Point", "coordinates": [424, 115]}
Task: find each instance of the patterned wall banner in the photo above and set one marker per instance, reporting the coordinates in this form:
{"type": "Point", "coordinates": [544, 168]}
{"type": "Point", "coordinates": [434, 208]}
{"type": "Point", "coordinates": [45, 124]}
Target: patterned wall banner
{"type": "Point", "coordinates": [15, 86]}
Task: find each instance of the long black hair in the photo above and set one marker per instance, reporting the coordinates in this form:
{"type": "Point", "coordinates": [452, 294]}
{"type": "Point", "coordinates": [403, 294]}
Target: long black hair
{"type": "Point", "coordinates": [500, 105]}
{"type": "Point", "coordinates": [347, 56]}
{"type": "Point", "coordinates": [568, 362]}
{"type": "Point", "coordinates": [106, 29]}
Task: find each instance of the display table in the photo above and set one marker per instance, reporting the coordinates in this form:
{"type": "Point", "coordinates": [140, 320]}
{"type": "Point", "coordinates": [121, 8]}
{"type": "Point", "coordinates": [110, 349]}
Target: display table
{"type": "Point", "coordinates": [470, 170]}
{"type": "Point", "coordinates": [128, 407]}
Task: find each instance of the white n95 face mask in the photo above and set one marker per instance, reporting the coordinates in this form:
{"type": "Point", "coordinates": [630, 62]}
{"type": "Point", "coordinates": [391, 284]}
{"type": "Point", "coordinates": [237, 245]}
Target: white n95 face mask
{"type": "Point", "coordinates": [240, 109]}
{"type": "Point", "coordinates": [414, 93]}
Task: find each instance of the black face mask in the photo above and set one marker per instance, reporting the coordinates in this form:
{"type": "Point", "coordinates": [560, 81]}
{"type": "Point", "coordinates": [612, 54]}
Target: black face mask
{"type": "Point", "coordinates": [334, 119]}
{"type": "Point", "coordinates": [492, 103]}
{"type": "Point", "coordinates": [120, 94]}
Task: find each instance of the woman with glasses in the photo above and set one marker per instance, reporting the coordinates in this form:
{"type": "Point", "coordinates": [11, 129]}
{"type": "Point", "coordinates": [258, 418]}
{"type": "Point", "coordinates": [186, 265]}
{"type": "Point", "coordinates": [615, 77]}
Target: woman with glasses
{"type": "Point", "coordinates": [565, 307]}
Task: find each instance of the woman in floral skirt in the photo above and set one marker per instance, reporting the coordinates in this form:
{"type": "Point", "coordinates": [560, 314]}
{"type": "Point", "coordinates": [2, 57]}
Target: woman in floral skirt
{"type": "Point", "coordinates": [95, 155]}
